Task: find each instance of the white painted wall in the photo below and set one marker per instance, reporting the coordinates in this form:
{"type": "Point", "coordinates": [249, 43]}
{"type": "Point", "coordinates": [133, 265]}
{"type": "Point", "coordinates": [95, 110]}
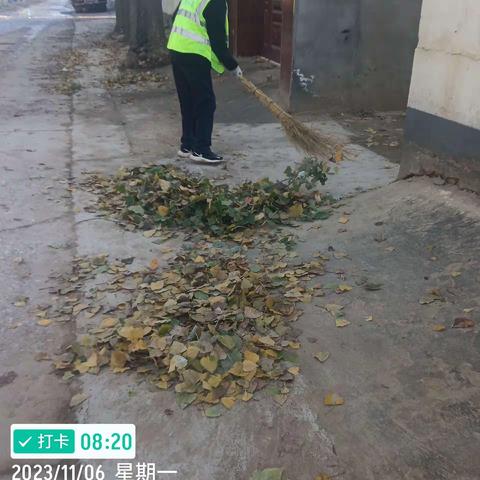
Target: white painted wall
{"type": "Point", "coordinates": [446, 71]}
{"type": "Point", "coordinates": [169, 6]}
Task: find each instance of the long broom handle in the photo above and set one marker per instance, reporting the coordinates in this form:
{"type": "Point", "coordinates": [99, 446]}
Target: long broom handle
{"type": "Point", "coordinates": [274, 107]}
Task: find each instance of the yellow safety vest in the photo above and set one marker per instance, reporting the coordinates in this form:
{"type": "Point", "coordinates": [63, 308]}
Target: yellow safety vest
{"type": "Point", "coordinates": [189, 32]}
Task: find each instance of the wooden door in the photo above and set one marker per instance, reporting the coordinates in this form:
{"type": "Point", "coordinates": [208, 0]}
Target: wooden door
{"type": "Point", "coordinates": [272, 36]}
{"type": "Point", "coordinates": [246, 27]}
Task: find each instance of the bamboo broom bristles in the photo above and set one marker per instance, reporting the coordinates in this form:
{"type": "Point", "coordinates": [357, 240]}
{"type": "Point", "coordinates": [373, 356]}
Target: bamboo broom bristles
{"type": "Point", "coordinates": [304, 138]}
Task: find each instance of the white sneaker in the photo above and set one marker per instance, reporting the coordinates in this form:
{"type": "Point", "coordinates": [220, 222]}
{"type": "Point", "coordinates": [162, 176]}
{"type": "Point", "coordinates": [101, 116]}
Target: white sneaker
{"type": "Point", "coordinates": [184, 152]}
{"type": "Point", "coordinates": [207, 158]}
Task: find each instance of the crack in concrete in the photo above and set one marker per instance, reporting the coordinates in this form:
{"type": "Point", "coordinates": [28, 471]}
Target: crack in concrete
{"type": "Point", "coordinates": [29, 225]}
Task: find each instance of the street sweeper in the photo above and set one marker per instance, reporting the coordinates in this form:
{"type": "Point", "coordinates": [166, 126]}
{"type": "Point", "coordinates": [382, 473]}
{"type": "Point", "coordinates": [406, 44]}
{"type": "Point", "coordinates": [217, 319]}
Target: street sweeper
{"type": "Point", "coordinates": [198, 43]}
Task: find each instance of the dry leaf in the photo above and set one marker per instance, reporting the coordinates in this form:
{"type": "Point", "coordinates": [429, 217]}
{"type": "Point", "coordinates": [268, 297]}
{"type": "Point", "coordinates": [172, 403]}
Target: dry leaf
{"type": "Point", "coordinates": [295, 211]}
{"type": "Point", "coordinates": [228, 402]}
{"type": "Point", "coordinates": [209, 363]}
{"type": "Point", "coordinates": [342, 288]}
{"type": "Point", "coordinates": [45, 322]}
{"type": "Point", "coordinates": [163, 211]}
{"type": "Point", "coordinates": [333, 400]}
{"type": "Point", "coordinates": [155, 286]}
{"type": "Point", "coordinates": [341, 322]}
{"type": "Point", "coordinates": [247, 396]}
{"type": "Point", "coordinates": [249, 366]}
{"type": "Point", "coordinates": [177, 362]}
{"type": "Point", "coordinates": [322, 356]}
{"type": "Point", "coordinates": [78, 308]}
{"type": "Point", "coordinates": [251, 356]}
{"type": "Point", "coordinates": [78, 399]}
{"type": "Point", "coordinates": [333, 309]}
{"type": "Point", "coordinates": [154, 264]}
{"type": "Point", "coordinates": [108, 322]}
{"type": "Point", "coordinates": [149, 233]}
{"type": "Point", "coordinates": [343, 220]}
{"type": "Point", "coordinates": [118, 359]}
{"type": "Point", "coordinates": [252, 313]}
{"type": "Point", "coordinates": [462, 322]}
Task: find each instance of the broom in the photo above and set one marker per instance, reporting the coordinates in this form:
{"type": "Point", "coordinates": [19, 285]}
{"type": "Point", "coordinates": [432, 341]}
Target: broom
{"type": "Point", "coordinates": [301, 136]}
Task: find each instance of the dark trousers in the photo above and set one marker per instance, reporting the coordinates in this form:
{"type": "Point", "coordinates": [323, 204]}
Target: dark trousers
{"type": "Point", "coordinates": [193, 79]}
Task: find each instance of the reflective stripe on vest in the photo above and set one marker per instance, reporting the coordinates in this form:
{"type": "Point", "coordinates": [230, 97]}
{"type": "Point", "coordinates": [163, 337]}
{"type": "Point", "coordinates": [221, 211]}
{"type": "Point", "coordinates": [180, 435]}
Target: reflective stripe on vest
{"type": "Point", "coordinates": [192, 36]}
{"type": "Point", "coordinates": [188, 14]}
{"type": "Point", "coordinates": [189, 33]}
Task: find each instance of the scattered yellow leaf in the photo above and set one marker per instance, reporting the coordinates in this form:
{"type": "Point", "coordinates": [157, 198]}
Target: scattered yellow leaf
{"type": "Point", "coordinates": [154, 264]}
{"type": "Point", "coordinates": [155, 286]}
{"type": "Point", "coordinates": [341, 322]}
{"type": "Point", "coordinates": [149, 233]}
{"type": "Point", "coordinates": [247, 396]}
{"type": "Point", "coordinates": [163, 211]}
{"type": "Point", "coordinates": [192, 352]}
{"type": "Point", "coordinates": [322, 356]}
{"type": "Point", "coordinates": [295, 211]}
{"type": "Point", "coordinates": [228, 402]}
{"type": "Point", "coordinates": [164, 185]}
{"type": "Point", "coordinates": [118, 359]}
{"type": "Point", "coordinates": [249, 366]}
{"type": "Point", "coordinates": [338, 153]}
{"type": "Point", "coordinates": [108, 322]}
{"type": "Point", "coordinates": [251, 356]}
{"type": "Point", "coordinates": [333, 309]}
{"type": "Point", "coordinates": [44, 322]}
{"type": "Point", "coordinates": [333, 400]}
{"type": "Point", "coordinates": [439, 328]}
{"type": "Point", "coordinates": [343, 220]}
{"type": "Point", "coordinates": [133, 333]}
{"type": "Point", "coordinates": [214, 381]}
{"type": "Point", "coordinates": [209, 363]}
{"type": "Point", "coordinates": [267, 341]}
{"type": "Point", "coordinates": [294, 370]}
{"type": "Point", "coordinates": [78, 308]}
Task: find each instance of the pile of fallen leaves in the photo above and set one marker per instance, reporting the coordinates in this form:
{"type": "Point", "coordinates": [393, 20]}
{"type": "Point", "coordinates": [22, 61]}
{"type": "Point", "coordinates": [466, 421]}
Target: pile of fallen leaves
{"type": "Point", "coordinates": [150, 197]}
{"type": "Point", "coordinates": [215, 326]}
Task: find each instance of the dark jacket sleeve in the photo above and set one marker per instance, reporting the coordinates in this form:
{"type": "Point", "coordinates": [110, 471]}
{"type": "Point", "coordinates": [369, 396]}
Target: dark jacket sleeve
{"type": "Point", "coordinates": [215, 13]}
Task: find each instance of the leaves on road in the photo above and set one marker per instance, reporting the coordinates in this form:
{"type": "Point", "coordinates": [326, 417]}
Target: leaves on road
{"type": "Point", "coordinates": [463, 322]}
{"type": "Point", "coordinates": [165, 196]}
{"type": "Point", "coordinates": [322, 357]}
{"type": "Point", "coordinates": [78, 399]}
{"type": "Point", "coordinates": [333, 400]}
{"type": "Point", "coordinates": [214, 325]}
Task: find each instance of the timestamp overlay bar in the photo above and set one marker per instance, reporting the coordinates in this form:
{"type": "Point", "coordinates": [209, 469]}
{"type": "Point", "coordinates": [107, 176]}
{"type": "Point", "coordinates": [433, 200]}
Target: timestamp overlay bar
{"type": "Point", "coordinates": [73, 441]}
